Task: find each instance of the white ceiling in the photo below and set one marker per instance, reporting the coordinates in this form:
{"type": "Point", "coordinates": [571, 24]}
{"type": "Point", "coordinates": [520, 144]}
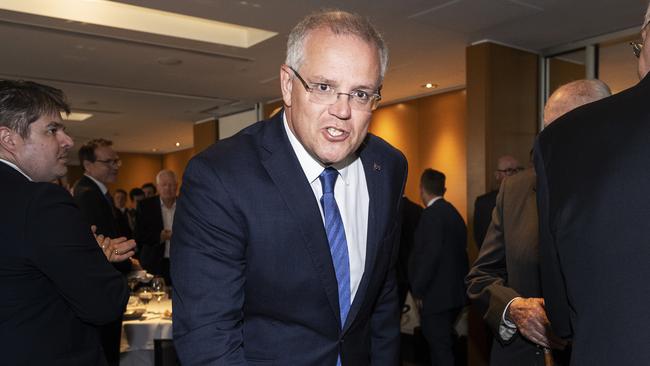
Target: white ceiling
{"type": "Point", "coordinates": [142, 104]}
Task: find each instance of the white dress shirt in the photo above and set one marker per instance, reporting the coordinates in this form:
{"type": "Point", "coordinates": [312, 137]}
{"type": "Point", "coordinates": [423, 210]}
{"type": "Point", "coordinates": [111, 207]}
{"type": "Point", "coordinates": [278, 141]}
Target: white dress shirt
{"type": "Point", "coordinates": [168, 220]}
{"type": "Point", "coordinates": [351, 194]}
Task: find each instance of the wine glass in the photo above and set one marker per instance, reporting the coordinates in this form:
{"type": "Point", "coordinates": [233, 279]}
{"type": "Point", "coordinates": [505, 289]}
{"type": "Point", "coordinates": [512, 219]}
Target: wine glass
{"type": "Point", "coordinates": [145, 294]}
{"type": "Point", "coordinates": [158, 286]}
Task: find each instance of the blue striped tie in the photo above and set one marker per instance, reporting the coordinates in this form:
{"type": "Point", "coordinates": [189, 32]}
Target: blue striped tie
{"type": "Point", "coordinates": [337, 241]}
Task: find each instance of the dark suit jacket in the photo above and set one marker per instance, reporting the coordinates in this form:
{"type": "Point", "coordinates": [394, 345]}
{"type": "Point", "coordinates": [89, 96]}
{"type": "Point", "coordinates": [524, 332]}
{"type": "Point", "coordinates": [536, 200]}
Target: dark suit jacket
{"type": "Point", "coordinates": [96, 210]}
{"type": "Point", "coordinates": [122, 226]}
{"type": "Point", "coordinates": [439, 263]}
{"type": "Point", "coordinates": [56, 283]}
{"type": "Point", "coordinates": [593, 179]}
{"type": "Point", "coordinates": [253, 277]}
{"type": "Point", "coordinates": [411, 213]}
{"type": "Point", "coordinates": [150, 224]}
{"type": "Point", "coordinates": [483, 207]}
{"type": "Point", "coordinates": [508, 267]}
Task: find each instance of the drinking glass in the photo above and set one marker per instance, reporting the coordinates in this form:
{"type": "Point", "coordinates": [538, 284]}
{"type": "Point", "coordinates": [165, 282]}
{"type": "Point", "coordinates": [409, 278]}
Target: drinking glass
{"type": "Point", "coordinates": [145, 294]}
{"type": "Point", "coordinates": [158, 286]}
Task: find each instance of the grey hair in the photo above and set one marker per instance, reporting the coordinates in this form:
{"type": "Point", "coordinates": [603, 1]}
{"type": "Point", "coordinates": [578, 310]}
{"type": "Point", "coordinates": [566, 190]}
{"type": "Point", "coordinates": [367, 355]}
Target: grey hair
{"type": "Point", "coordinates": [338, 22]}
{"type": "Point", "coordinates": [165, 172]}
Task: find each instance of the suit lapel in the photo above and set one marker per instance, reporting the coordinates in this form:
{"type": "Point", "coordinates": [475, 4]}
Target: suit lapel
{"type": "Point", "coordinates": [281, 163]}
{"type": "Point", "coordinates": [372, 167]}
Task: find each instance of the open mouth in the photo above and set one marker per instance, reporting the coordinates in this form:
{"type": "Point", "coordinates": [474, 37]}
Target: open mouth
{"type": "Point", "coordinates": [335, 133]}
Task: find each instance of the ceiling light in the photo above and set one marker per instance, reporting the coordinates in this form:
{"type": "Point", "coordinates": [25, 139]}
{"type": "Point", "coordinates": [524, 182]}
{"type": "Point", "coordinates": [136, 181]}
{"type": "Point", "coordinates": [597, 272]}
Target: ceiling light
{"type": "Point", "coordinates": [154, 149]}
{"type": "Point", "coordinates": [178, 144]}
{"type": "Point", "coordinates": [76, 116]}
{"type": "Point", "coordinates": [136, 18]}
{"type": "Point", "coordinates": [430, 86]}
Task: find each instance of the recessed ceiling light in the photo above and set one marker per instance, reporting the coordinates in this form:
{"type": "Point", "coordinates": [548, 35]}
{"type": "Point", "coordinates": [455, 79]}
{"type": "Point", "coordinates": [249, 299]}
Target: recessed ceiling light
{"type": "Point", "coordinates": [76, 116]}
{"type": "Point", "coordinates": [430, 86]}
{"type": "Point", "coordinates": [120, 15]}
{"type": "Point", "coordinates": [154, 149]}
{"type": "Point", "coordinates": [178, 144]}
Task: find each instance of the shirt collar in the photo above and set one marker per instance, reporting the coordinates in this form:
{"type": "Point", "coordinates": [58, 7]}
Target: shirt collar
{"type": "Point", "coordinates": [17, 168]}
{"type": "Point", "coordinates": [162, 204]}
{"type": "Point", "coordinates": [102, 186]}
{"type": "Point", "coordinates": [434, 199]}
{"type": "Point", "coordinates": [312, 167]}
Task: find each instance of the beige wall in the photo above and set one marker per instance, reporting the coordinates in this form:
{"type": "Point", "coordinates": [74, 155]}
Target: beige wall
{"type": "Point", "coordinates": [430, 132]}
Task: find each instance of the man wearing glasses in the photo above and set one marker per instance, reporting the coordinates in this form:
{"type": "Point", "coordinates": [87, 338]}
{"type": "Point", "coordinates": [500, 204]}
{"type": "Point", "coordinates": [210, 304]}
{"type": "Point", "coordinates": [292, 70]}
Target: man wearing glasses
{"type": "Point", "coordinates": [285, 235]}
{"type": "Point", "coordinates": [592, 191]}
{"type": "Point", "coordinates": [101, 163]}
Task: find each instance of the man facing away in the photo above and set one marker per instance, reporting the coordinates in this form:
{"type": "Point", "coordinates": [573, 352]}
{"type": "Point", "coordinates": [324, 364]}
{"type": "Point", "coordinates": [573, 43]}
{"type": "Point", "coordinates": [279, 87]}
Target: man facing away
{"type": "Point", "coordinates": [504, 281]}
{"type": "Point", "coordinates": [56, 284]}
{"type": "Point", "coordinates": [285, 235]}
{"type": "Point", "coordinates": [592, 192]}
{"type": "Point", "coordinates": [506, 166]}
{"type": "Point", "coordinates": [437, 268]}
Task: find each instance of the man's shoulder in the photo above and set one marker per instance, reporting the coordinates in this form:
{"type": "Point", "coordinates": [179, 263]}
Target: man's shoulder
{"type": "Point", "coordinates": [487, 198]}
{"type": "Point", "coordinates": [84, 187]}
{"type": "Point", "coordinates": [381, 147]}
{"type": "Point", "coordinates": [150, 203]}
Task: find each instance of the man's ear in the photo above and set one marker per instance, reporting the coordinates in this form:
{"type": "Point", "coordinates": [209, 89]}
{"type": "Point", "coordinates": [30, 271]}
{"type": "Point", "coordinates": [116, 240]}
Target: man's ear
{"type": "Point", "coordinates": [9, 139]}
{"type": "Point", "coordinates": [286, 84]}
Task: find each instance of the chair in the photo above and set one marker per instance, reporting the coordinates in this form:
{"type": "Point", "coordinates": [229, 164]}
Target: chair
{"type": "Point", "coordinates": [164, 353]}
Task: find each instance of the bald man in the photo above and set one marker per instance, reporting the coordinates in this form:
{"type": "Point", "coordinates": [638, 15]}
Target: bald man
{"type": "Point", "coordinates": [593, 181]}
{"type": "Point", "coordinates": [506, 166]}
{"type": "Point", "coordinates": [155, 216]}
{"type": "Point", "coordinates": [504, 281]}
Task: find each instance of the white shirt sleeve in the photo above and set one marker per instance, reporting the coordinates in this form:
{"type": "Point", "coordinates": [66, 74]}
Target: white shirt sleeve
{"type": "Point", "coordinates": [507, 329]}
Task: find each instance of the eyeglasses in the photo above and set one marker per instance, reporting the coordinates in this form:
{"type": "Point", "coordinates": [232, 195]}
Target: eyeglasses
{"type": "Point", "coordinates": [510, 171]}
{"type": "Point", "coordinates": [636, 48]}
{"type": "Point", "coordinates": [113, 162]}
{"type": "Point", "coordinates": [322, 93]}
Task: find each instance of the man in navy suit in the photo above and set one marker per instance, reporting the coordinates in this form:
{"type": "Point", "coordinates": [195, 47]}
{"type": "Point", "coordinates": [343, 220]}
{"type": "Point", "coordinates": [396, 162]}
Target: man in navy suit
{"type": "Point", "coordinates": [56, 284]}
{"type": "Point", "coordinates": [592, 183]}
{"type": "Point", "coordinates": [437, 268]}
{"type": "Point", "coordinates": [285, 235]}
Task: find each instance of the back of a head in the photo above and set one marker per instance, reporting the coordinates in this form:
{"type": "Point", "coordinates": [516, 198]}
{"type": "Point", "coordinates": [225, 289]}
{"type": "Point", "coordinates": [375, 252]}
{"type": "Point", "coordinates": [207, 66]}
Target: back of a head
{"type": "Point", "coordinates": [433, 182]}
{"type": "Point", "coordinates": [24, 102]}
{"type": "Point", "coordinates": [340, 23]}
{"type": "Point", "coordinates": [573, 95]}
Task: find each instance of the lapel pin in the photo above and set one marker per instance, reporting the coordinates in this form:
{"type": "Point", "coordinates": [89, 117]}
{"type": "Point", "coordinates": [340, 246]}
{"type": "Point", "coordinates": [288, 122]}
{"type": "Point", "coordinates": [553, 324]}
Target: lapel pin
{"type": "Point", "coordinates": [376, 167]}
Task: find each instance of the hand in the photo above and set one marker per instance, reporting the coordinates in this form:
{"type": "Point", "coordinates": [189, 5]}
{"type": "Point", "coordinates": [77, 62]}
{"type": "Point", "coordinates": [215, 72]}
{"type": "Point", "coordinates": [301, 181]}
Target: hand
{"type": "Point", "coordinates": [165, 235]}
{"type": "Point", "coordinates": [116, 250]}
{"type": "Point", "coordinates": [529, 316]}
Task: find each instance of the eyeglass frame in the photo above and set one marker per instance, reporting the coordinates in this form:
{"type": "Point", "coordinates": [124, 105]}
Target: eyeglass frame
{"type": "Point", "coordinates": [637, 46]}
{"type": "Point", "coordinates": [117, 162]}
{"type": "Point", "coordinates": [373, 99]}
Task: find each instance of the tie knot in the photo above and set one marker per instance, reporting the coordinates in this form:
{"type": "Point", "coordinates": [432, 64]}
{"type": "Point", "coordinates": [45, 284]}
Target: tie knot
{"type": "Point", "coordinates": [328, 179]}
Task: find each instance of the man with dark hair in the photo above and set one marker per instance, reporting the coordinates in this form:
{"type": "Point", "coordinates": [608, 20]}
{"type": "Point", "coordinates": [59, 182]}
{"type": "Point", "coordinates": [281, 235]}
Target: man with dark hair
{"type": "Point", "coordinates": [101, 163]}
{"type": "Point", "coordinates": [121, 214]}
{"type": "Point", "coordinates": [438, 267]}
{"type": "Point", "coordinates": [286, 234]}
{"type": "Point", "coordinates": [55, 281]}
{"type": "Point", "coordinates": [149, 190]}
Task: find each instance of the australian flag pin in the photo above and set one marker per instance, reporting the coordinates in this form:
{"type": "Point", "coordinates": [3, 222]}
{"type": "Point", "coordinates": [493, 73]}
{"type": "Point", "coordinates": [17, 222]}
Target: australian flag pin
{"type": "Point", "coordinates": [376, 167]}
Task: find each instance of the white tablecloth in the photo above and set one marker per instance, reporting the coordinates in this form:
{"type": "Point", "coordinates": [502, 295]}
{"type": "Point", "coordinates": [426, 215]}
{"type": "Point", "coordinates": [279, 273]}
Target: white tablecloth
{"type": "Point", "coordinates": [138, 335]}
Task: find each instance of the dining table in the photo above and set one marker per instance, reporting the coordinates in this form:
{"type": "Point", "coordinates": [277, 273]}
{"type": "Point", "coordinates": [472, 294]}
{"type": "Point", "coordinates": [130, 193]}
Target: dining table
{"type": "Point", "coordinates": [139, 331]}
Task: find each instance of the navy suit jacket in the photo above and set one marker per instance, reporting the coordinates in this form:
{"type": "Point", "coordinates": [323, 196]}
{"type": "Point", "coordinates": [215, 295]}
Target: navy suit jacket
{"type": "Point", "coordinates": [594, 209]}
{"type": "Point", "coordinates": [439, 263]}
{"type": "Point", "coordinates": [254, 279]}
{"type": "Point", "coordinates": [147, 235]}
{"type": "Point", "coordinates": [56, 284]}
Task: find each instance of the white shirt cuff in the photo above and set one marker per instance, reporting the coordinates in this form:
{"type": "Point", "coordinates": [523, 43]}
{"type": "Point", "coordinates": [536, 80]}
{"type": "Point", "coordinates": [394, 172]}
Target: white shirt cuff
{"type": "Point", "coordinates": [507, 329]}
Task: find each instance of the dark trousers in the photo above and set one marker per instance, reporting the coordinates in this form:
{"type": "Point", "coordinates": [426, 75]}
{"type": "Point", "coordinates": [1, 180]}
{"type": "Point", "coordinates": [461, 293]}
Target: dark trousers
{"type": "Point", "coordinates": [111, 336]}
{"type": "Point", "coordinates": [438, 330]}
